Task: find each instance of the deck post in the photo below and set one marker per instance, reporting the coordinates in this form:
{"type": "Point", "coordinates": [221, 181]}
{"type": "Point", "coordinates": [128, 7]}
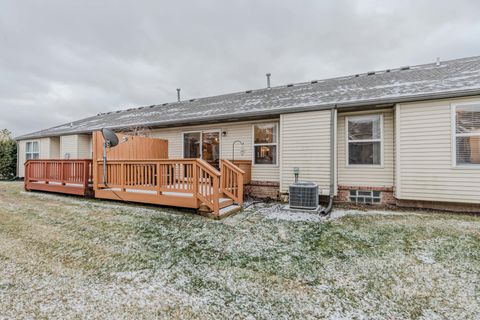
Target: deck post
{"type": "Point", "coordinates": [27, 176]}
{"type": "Point", "coordinates": [222, 174]}
{"type": "Point", "coordinates": [122, 177]}
{"type": "Point", "coordinates": [159, 181]}
{"type": "Point", "coordinates": [195, 179]}
{"type": "Point", "coordinates": [86, 173]}
{"type": "Point", "coordinates": [240, 189]}
{"type": "Point", "coordinates": [62, 172]}
{"type": "Point", "coordinates": [45, 172]}
{"type": "Point", "coordinates": [215, 196]}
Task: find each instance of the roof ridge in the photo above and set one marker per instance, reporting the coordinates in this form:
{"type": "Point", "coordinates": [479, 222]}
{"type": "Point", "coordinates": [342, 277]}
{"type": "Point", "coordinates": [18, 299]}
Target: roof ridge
{"type": "Point", "coordinates": [357, 87]}
{"type": "Point", "coordinates": [292, 84]}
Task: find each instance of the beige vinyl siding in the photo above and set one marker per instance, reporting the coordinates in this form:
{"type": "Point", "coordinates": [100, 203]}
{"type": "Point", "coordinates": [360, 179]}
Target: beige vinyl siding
{"type": "Point", "coordinates": [55, 148]}
{"type": "Point", "coordinates": [305, 143]}
{"type": "Point", "coordinates": [84, 143]}
{"type": "Point", "coordinates": [425, 156]}
{"type": "Point", "coordinates": [242, 131]}
{"type": "Point", "coordinates": [76, 146]}
{"type": "Point", "coordinates": [368, 176]}
{"type": "Point", "coordinates": [68, 146]}
{"type": "Point", "coordinates": [44, 150]}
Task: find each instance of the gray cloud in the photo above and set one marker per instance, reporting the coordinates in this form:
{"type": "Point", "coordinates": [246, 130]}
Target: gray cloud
{"type": "Point", "coordinates": [64, 60]}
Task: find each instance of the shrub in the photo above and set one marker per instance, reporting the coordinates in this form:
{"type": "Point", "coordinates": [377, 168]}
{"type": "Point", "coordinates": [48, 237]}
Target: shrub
{"type": "Point", "coordinates": [8, 155]}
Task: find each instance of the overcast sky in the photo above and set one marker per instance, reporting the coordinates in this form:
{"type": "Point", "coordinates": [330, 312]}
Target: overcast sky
{"type": "Point", "coordinates": [65, 60]}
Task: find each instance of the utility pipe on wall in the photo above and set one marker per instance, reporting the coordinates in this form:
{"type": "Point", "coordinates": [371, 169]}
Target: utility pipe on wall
{"type": "Point", "coordinates": [333, 141]}
{"type": "Point", "coordinates": [233, 148]}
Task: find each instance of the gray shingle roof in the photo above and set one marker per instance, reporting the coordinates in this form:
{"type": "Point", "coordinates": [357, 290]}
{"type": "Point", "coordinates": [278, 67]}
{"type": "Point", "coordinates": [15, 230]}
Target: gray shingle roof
{"type": "Point", "coordinates": [458, 77]}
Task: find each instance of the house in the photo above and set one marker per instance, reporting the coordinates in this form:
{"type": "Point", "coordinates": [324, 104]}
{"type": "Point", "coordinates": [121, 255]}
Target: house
{"type": "Point", "coordinates": [408, 136]}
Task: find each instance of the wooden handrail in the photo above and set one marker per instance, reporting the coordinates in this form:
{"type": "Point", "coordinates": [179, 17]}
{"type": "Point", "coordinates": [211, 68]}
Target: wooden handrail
{"type": "Point", "coordinates": [233, 166]}
{"type": "Point", "coordinates": [232, 180]}
{"type": "Point", "coordinates": [62, 171]}
{"type": "Point", "coordinates": [163, 176]}
{"type": "Point", "coordinates": [208, 167]}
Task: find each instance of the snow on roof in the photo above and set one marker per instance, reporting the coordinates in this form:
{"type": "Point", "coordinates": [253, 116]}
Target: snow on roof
{"type": "Point", "coordinates": [429, 81]}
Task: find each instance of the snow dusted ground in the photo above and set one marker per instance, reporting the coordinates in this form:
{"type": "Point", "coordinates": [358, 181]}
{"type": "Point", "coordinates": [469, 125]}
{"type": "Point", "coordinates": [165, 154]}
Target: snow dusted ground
{"type": "Point", "coordinates": [68, 257]}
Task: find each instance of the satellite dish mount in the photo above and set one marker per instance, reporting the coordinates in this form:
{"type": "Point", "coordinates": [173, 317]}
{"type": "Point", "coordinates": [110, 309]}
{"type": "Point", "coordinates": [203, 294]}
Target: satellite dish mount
{"type": "Point", "coordinates": [110, 140]}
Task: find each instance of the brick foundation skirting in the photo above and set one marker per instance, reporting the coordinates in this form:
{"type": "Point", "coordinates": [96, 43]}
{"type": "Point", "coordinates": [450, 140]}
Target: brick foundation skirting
{"type": "Point", "coordinates": [263, 189]}
{"type": "Point", "coordinates": [267, 189]}
{"type": "Point", "coordinates": [343, 194]}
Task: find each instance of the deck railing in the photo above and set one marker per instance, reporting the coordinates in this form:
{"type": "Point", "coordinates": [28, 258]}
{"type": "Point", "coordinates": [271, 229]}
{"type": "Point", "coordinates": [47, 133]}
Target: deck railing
{"type": "Point", "coordinates": [179, 176]}
{"type": "Point", "coordinates": [58, 175]}
{"type": "Point", "coordinates": [180, 182]}
{"type": "Point", "coordinates": [232, 180]}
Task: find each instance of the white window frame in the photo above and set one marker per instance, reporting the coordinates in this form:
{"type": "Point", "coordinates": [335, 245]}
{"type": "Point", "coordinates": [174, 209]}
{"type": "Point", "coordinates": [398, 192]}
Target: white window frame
{"type": "Point", "coordinates": [381, 140]}
{"type": "Point", "coordinates": [454, 135]}
{"type": "Point", "coordinates": [31, 152]}
{"type": "Point", "coordinates": [201, 140]}
{"type": "Point", "coordinates": [277, 144]}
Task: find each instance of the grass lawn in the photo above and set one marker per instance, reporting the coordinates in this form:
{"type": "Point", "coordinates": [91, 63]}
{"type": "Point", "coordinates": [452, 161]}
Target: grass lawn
{"type": "Point", "coordinates": [68, 257]}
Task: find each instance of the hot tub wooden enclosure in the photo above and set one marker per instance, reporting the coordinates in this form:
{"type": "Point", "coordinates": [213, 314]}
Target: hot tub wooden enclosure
{"type": "Point", "coordinates": [138, 170]}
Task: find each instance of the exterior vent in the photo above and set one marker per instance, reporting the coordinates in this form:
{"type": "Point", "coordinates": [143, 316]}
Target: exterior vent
{"type": "Point", "coordinates": [248, 91]}
{"type": "Point", "coordinates": [290, 85]}
{"type": "Point", "coordinates": [314, 81]}
{"type": "Point", "coordinates": [405, 68]}
{"type": "Point", "coordinates": [303, 195]}
{"type": "Point", "coordinates": [388, 70]}
{"type": "Point", "coordinates": [164, 104]}
{"type": "Point", "coordinates": [191, 100]}
{"type": "Point", "coordinates": [371, 73]}
{"type": "Point", "coordinates": [357, 75]}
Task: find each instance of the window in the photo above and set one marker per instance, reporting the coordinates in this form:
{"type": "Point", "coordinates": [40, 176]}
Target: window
{"type": "Point", "coordinates": [32, 151]}
{"type": "Point", "coordinates": [202, 144]}
{"type": "Point", "coordinates": [265, 143]}
{"type": "Point", "coordinates": [191, 145]}
{"type": "Point", "coordinates": [367, 196]}
{"type": "Point", "coordinates": [467, 134]}
{"type": "Point", "coordinates": [364, 140]}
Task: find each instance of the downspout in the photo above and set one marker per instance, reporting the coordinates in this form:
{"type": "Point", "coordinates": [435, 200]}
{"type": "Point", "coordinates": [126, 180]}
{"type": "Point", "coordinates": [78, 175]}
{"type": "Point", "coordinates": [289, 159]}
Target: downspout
{"type": "Point", "coordinates": [328, 209]}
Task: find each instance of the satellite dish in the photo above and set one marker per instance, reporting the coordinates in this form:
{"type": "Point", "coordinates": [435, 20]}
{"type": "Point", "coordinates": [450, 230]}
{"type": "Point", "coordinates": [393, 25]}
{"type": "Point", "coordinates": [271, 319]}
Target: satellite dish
{"type": "Point", "coordinates": [110, 137]}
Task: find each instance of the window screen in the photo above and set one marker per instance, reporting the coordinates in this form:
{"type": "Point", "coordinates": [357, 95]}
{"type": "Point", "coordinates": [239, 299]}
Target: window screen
{"type": "Point", "coordinates": [467, 134]}
{"type": "Point", "coordinates": [32, 150]}
{"type": "Point", "coordinates": [364, 140]}
{"type": "Point", "coordinates": [265, 143]}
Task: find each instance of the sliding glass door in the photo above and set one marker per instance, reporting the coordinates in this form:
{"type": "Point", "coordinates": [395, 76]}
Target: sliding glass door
{"type": "Point", "coordinates": [204, 145]}
{"type": "Point", "coordinates": [191, 144]}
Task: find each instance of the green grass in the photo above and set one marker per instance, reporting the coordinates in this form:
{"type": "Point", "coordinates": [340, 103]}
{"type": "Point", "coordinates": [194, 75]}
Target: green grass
{"type": "Point", "coordinates": [67, 257]}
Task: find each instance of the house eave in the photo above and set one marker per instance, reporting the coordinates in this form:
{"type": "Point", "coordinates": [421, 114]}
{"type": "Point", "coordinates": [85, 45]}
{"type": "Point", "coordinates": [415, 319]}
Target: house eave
{"type": "Point", "coordinates": [270, 114]}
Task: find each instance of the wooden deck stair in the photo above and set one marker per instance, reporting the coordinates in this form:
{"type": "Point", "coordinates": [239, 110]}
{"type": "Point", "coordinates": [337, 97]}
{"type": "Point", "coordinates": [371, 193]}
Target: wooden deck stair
{"type": "Point", "coordinates": [187, 183]}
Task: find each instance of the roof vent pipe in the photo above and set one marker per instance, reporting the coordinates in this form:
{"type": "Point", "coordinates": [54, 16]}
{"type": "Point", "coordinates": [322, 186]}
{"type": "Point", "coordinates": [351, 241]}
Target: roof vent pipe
{"type": "Point", "coordinates": [178, 94]}
{"type": "Point", "coordinates": [438, 61]}
{"type": "Point", "coordinates": [268, 79]}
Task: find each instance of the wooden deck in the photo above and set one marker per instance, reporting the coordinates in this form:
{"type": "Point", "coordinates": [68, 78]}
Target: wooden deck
{"type": "Point", "coordinates": [187, 183]}
{"type": "Point", "coordinates": [62, 176]}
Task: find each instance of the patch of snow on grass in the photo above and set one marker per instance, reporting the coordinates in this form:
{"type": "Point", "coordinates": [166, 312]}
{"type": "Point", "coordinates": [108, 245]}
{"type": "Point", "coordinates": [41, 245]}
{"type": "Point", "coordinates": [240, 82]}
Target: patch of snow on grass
{"type": "Point", "coordinates": [282, 212]}
{"type": "Point", "coordinates": [425, 257]}
{"type": "Point", "coordinates": [339, 213]}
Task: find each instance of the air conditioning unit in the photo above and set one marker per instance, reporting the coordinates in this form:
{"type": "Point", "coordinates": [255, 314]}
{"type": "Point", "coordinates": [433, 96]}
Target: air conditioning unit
{"type": "Point", "coordinates": [303, 195]}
